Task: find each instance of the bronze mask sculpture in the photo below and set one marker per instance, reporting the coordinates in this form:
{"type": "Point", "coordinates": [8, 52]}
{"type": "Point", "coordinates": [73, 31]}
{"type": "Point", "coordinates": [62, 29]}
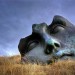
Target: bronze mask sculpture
{"type": "Point", "coordinates": [54, 41]}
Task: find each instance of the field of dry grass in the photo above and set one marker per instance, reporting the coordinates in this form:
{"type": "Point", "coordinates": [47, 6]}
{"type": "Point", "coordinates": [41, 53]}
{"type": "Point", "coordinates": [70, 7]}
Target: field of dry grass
{"type": "Point", "coordinates": [13, 66]}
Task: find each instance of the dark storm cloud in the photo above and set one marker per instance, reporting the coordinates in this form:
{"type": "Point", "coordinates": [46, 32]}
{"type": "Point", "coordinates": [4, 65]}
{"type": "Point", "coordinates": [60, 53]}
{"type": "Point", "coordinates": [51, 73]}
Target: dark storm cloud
{"type": "Point", "coordinates": [17, 17]}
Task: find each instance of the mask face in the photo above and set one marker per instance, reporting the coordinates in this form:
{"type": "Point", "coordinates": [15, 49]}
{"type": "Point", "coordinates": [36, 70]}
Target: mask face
{"type": "Point", "coordinates": [48, 42]}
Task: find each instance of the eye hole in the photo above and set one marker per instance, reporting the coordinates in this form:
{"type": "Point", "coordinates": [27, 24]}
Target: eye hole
{"type": "Point", "coordinates": [57, 29]}
{"type": "Point", "coordinates": [32, 44]}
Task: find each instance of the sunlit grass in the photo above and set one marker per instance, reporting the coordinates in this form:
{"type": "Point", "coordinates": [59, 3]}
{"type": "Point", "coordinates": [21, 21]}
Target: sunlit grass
{"type": "Point", "coordinates": [13, 66]}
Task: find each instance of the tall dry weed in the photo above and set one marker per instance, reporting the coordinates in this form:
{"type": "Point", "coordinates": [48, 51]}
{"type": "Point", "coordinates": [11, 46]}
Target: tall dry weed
{"type": "Point", "coordinates": [13, 66]}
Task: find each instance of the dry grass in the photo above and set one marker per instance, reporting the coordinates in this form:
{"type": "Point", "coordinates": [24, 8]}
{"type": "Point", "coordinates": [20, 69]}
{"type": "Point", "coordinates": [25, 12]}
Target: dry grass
{"type": "Point", "coordinates": [12, 66]}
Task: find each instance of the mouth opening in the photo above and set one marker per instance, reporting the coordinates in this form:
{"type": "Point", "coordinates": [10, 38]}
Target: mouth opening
{"type": "Point", "coordinates": [70, 55]}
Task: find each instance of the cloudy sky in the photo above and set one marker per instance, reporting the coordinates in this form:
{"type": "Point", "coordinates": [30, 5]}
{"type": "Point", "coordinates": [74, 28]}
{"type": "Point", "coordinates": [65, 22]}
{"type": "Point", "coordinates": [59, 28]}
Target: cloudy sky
{"type": "Point", "coordinates": [17, 17]}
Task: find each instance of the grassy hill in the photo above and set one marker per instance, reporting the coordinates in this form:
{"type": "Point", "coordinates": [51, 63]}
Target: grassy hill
{"type": "Point", "coordinates": [13, 66]}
